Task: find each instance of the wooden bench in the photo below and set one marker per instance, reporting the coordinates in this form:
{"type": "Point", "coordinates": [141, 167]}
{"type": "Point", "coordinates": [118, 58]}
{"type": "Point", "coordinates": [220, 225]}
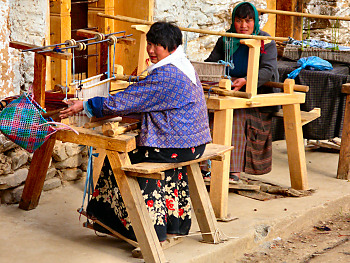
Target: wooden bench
{"type": "Point", "coordinates": [306, 116]}
{"type": "Point", "coordinates": [125, 173]}
{"type": "Point", "coordinates": [198, 192]}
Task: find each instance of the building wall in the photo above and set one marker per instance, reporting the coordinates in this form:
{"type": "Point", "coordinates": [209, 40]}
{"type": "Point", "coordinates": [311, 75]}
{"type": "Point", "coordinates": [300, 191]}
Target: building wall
{"type": "Point", "coordinates": [211, 15]}
{"type": "Point", "coordinates": [24, 21]}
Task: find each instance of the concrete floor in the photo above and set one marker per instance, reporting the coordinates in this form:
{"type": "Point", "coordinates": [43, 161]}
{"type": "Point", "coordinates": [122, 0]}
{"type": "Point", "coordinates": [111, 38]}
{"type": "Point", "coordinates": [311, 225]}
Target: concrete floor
{"type": "Point", "coordinates": [53, 233]}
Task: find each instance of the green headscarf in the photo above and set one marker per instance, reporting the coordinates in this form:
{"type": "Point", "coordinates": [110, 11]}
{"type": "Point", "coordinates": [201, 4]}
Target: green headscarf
{"type": "Point", "coordinates": [231, 44]}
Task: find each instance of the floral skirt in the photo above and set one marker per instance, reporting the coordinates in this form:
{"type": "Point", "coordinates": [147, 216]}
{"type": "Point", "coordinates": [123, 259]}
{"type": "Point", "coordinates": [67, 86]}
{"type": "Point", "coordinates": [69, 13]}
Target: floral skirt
{"type": "Point", "coordinates": [167, 201]}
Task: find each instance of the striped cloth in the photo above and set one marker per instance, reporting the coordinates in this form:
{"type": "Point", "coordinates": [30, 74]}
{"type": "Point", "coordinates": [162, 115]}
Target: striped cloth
{"type": "Point", "coordinates": [325, 93]}
{"type": "Point", "coordinates": [252, 141]}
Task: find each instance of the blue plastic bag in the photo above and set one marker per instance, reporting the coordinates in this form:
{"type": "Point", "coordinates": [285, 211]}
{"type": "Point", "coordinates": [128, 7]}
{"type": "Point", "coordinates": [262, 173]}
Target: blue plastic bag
{"type": "Point", "coordinates": [312, 63]}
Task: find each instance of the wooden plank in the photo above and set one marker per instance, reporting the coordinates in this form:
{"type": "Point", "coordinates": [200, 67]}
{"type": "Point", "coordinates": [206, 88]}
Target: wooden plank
{"type": "Point", "coordinates": [238, 186]}
{"type": "Point", "coordinates": [212, 150]}
{"type": "Point", "coordinates": [261, 100]}
{"type": "Point", "coordinates": [343, 171]}
{"type": "Point", "coordinates": [136, 208]}
{"type": "Point", "coordinates": [261, 196]}
{"type": "Point", "coordinates": [306, 116]}
{"type": "Point", "coordinates": [122, 143]}
{"type": "Point", "coordinates": [158, 176]}
{"type": "Point", "coordinates": [36, 175]}
{"type": "Point", "coordinates": [201, 204]}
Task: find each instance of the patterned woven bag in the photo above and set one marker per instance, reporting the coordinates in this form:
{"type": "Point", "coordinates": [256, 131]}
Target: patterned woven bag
{"type": "Point", "coordinates": [21, 122]}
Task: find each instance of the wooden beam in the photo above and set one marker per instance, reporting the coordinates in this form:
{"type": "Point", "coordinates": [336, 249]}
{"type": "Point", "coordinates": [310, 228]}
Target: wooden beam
{"type": "Point", "coordinates": [36, 175]}
{"type": "Point", "coordinates": [295, 144]}
{"type": "Point", "coordinates": [301, 14]}
{"type": "Point", "coordinates": [344, 154]}
{"type": "Point", "coordinates": [122, 143]}
{"type": "Point", "coordinates": [135, 205]}
{"type": "Point", "coordinates": [289, 25]}
{"type": "Point", "coordinates": [195, 30]}
{"type": "Point", "coordinates": [60, 27]}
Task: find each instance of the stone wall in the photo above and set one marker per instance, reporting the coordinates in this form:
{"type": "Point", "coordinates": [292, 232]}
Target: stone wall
{"type": "Point", "coordinates": [211, 15]}
{"type": "Point", "coordinates": [69, 163]}
{"type": "Point", "coordinates": [328, 30]}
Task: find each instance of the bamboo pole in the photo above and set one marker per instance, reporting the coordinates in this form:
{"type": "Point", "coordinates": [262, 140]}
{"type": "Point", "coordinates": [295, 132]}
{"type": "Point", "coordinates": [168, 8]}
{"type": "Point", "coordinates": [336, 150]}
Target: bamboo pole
{"type": "Point", "coordinates": [194, 30]}
{"type": "Point", "coordinates": [289, 13]}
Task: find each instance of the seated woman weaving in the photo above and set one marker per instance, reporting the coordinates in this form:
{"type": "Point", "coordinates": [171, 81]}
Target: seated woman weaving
{"type": "Point", "coordinates": [174, 128]}
{"type": "Point", "coordinates": [251, 131]}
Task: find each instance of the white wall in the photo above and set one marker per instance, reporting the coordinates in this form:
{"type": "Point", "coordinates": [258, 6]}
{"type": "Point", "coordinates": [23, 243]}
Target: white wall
{"type": "Point", "coordinates": [24, 21]}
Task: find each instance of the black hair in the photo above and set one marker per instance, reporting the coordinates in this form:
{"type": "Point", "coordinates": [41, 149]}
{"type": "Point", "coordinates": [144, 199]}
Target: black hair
{"type": "Point", "coordinates": [165, 34]}
{"type": "Point", "coordinates": [245, 10]}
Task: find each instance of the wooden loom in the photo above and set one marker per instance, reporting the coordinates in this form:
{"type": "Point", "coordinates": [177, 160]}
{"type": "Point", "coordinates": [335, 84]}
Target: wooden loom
{"type": "Point", "coordinates": [223, 107]}
{"type": "Point", "coordinates": [116, 148]}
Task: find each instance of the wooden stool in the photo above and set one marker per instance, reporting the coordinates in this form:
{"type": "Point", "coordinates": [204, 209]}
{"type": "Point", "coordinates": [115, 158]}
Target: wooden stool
{"type": "Point", "coordinates": [116, 149]}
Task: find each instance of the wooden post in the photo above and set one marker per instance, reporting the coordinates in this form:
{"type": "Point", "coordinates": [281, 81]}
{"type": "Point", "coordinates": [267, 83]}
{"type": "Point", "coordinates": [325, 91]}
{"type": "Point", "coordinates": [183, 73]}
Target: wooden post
{"type": "Point", "coordinates": [344, 155]}
{"type": "Point", "coordinates": [253, 65]}
{"type": "Point", "coordinates": [39, 79]}
{"type": "Point", "coordinates": [201, 204]}
{"type": "Point", "coordinates": [270, 26]}
{"type": "Point", "coordinates": [128, 56]}
{"type": "Point", "coordinates": [135, 205]}
{"type": "Point", "coordinates": [36, 175]}
{"type": "Point", "coordinates": [141, 65]}
{"type": "Point", "coordinates": [289, 25]}
{"type": "Point", "coordinates": [294, 140]}
{"type": "Point", "coordinates": [60, 24]}
{"type": "Point", "coordinates": [104, 26]}
{"type": "Point", "coordinates": [220, 170]}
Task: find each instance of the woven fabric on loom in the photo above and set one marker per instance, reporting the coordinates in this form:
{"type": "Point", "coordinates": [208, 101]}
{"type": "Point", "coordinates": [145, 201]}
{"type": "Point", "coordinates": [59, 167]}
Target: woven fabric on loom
{"type": "Point", "coordinates": [22, 123]}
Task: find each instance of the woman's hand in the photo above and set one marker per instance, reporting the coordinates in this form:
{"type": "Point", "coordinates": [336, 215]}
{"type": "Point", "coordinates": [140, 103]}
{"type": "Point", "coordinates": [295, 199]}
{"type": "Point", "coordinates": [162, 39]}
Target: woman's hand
{"type": "Point", "coordinates": [75, 106]}
{"type": "Point", "coordinates": [238, 83]}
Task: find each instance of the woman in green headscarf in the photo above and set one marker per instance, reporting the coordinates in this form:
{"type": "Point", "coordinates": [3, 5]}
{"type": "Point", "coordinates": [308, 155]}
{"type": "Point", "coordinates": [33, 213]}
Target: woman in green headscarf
{"type": "Point", "coordinates": [251, 133]}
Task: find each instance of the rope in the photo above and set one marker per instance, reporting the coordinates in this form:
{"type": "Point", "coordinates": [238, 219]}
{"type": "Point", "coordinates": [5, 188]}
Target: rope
{"type": "Point", "coordinates": [66, 98]}
{"type": "Point", "coordinates": [186, 39]}
{"type": "Point", "coordinates": [89, 185]}
{"type": "Point", "coordinates": [73, 66]}
{"type": "Point", "coordinates": [210, 89]}
{"type": "Point", "coordinates": [113, 59]}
